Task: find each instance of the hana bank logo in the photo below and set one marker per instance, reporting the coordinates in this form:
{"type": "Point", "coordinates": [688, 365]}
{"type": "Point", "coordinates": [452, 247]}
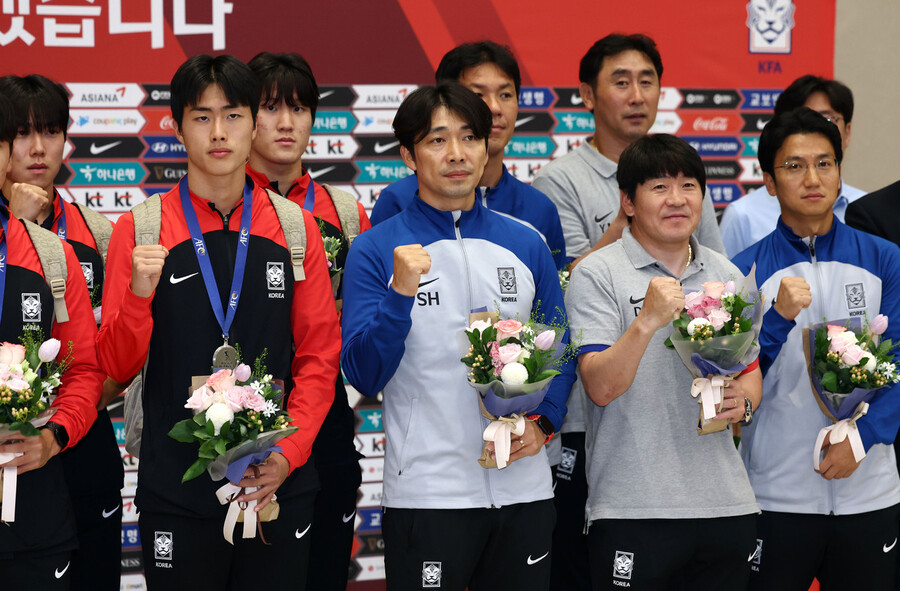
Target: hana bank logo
{"type": "Point", "coordinates": [770, 23]}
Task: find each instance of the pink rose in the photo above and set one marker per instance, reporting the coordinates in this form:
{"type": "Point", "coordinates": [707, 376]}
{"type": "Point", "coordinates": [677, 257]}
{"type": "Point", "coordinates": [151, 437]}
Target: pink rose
{"type": "Point", "coordinates": [507, 329]}
{"type": "Point", "coordinates": [852, 355]}
{"type": "Point", "coordinates": [545, 340]}
{"type": "Point", "coordinates": [16, 384]}
{"type": "Point", "coordinates": [729, 287]}
{"type": "Point", "coordinates": [879, 324]}
{"type": "Point", "coordinates": [833, 330]}
{"type": "Point", "coordinates": [220, 381]}
{"type": "Point", "coordinates": [252, 400]}
{"type": "Point", "coordinates": [696, 312]}
{"type": "Point", "coordinates": [200, 399]}
{"type": "Point", "coordinates": [693, 299]}
{"type": "Point", "coordinates": [709, 304]}
{"type": "Point", "coordinates": [242, 372]}
{"type": "Point", "coordinates": [718, 318]}
{"type": "Point", "coordinates": [234, 397]}
{"type": "Point", "coordinates": [10, 354]}
{"type": "Point", "coordinates": [842, 341]}
{"type": "Point", "coordinates": [714, 289]}
{"type": "Point", "coordinates": [509, 353]}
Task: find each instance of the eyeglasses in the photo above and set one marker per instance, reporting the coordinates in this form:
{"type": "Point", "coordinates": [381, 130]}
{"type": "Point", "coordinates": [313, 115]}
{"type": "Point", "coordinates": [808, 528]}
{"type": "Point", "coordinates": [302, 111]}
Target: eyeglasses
{"type": "Point", "coordinates": [833, 118]}
{"type": "Point", "coordinates": [797, 168]}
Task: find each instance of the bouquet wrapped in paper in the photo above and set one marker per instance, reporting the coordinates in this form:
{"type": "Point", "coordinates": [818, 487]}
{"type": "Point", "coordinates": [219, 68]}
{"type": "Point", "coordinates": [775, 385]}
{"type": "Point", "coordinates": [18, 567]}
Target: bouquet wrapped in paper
{"type": "Point", "coordinates": [511, 365]}
{"type": "Point", "coordinates": [29, 374]}
{"type": "Point", "coordinates": [846, 369]}
{"type": "Point", "coordinates": [716, 339]}
{"type": "Point", "coordinates": [238, 419]}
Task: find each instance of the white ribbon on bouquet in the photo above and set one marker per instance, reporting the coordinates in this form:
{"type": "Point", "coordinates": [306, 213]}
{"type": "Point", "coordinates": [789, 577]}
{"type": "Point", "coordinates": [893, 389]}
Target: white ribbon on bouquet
{"type": "Point", "coordinates": [226, 495]}
{"type": "Point", "coordinates": [845, 429]}
{"type": "Point", "coordinates": [9, 478]}
{"type": "Point", "coordinates": [711, 392]}
{"type": "Point", "coordinates": [499, 432]}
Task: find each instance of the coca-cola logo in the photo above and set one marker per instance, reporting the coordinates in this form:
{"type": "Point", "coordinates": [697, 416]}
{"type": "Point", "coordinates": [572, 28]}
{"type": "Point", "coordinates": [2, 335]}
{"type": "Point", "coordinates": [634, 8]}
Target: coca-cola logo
{"type": "Point", "coordinates": [712, 124]}
{"type": "Point", "coordinates": [168, 124]}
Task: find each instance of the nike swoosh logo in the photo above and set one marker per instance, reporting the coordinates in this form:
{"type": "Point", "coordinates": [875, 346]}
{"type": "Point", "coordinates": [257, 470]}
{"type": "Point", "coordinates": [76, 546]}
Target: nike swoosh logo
{"type": "Point", "coordinates": [381, 149]}
{"type": "Point", "coordinates": [347, 518]}
{"type": "Point", "coordinates": [523, 120]}
{"type": "Point", "coordinates": [752, 554]}
{"type": "Point", "coordinates": [531, 560]}
{"type": "Point", "coordinates": [327, 93]}
{"type": "Point", "coordinates": [106, 513]}
{"type": "Point", "coordinates": [115, 404]}
{"type": "Point", "coordinates": [423, 284]}
{"type": "Point", "coordinates": [176, 280]}
{"type": "Point", "coordinates": [887, 548]}
{"type": "Point", "coordinates": [314, 174]}
{"type": "Point", "coordinates": [760, 124]}
{"type": "Point", "coordinates": [554, 486]}
{"type": "Point", "coordinates": [99, 150]}
{"type": "Point", "coordinates": [599, 219]}
{"type": "Point", "coordinates": [59, 573]}
{"type": "Point", "coordinates": [298, 534]}
{"type": "Point", "coordinates": [635, 301]}
{"type": "Point", "coordinates": [577, 100]}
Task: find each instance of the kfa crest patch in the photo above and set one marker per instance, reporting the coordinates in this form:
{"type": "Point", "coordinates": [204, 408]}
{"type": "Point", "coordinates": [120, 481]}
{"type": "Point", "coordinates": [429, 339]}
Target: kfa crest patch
{"type": "Point", "coordinates": [507, 277]}
{"type": "Point", "coordinates": [31, 307]}
{"type": "Point", "coordinates": [431, 575]}
{"type": "Point", "coordinates": [623, 564]}
{"type": "Point", "coordinates": [856, 296]}
{"type": "Point", "coordinates": [567, 463]}
{"type": "Point", "coordinates": [163, 545]}
{"type": "Point", "coordinates": [275, 275]}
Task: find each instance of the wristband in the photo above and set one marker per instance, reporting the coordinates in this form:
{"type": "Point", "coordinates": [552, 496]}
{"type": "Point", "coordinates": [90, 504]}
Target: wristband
{"type": "Point", "coordinates": [543, 424]}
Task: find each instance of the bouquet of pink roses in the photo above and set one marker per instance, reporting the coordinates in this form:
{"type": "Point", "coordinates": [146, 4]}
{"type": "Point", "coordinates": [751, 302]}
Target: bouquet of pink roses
{"type": "Point", "coordinates": [511, 365]}
{"type": "Point", "coordinates": [29, 373]}
{"type": "Point", "coordinates": [715, 337]}
{"type": "Point", "coordinates": [847, 367]}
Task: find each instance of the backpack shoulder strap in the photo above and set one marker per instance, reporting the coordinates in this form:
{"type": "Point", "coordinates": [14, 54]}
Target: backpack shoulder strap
{"type": "Point", "coordinates": [147, 219]}
{"type": "Point", "coordinates": [290, 216]}
{"type": "Point", "coordinates": [347, 210]}
{"type": "Point", "coordinates": [50, 251]}
{"type": "Point", "coordinates": [100, 228]}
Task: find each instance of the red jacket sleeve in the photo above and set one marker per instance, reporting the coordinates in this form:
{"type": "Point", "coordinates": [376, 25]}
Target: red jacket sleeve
{"type": "Point", "coordinates": [127, 320]}
{"type": "Point", "coordinates": [82, 383]}
{"type": "Point", "coordinates": [364, 223]}
{"type": "Point", "coordinates": [317, 343]}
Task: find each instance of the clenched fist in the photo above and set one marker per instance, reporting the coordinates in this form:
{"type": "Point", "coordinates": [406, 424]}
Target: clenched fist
{"type": "Point", "coordinates": [26, 202]}
{"type": "Point", "coordinates": [411, 261]}
{"type": "Point", "coordinates": [146, 268]}
{"type": "Point", "coordinates": [664, 299]}
{"type": "Point", "coordinates": [793, 296]}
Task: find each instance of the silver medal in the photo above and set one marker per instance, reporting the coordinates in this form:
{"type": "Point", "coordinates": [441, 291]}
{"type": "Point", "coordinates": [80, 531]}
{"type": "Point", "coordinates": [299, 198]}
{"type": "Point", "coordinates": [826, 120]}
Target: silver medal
{"type": "Point", "coordinates": [225, 357]}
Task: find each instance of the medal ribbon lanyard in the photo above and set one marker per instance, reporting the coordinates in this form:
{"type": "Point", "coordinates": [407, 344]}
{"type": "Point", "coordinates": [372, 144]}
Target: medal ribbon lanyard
{"type": "Point", "coordinates": [61, 225]}
{"type": "Point", "coordinates": [310, 200]}
{"type": "Point", "coordinates": [240, 263]}
{"type": "Point", "coordinates": [4, 222]}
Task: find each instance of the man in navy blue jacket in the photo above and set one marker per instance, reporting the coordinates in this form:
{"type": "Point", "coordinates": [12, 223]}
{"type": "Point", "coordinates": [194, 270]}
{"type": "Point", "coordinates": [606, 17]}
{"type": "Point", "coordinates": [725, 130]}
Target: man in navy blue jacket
{"type": "Point", "coordinates": [490, 71]}
{"type": "Point", "coordinates": [410, 284]}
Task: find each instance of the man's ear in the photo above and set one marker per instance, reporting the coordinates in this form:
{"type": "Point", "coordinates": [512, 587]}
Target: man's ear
{"type": "Point", "coordinates": [587, 95]}
{"type": "Point", "coordinates": [770, 183]}
{"type": "Point", "coordinates": [409, 159]}
{"type": "Point", "coordinates": [627, 203]}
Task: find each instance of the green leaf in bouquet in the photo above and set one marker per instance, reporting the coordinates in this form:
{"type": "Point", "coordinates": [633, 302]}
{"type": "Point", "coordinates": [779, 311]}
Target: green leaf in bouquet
{"type": "Point", "coordinates": [221, 447]}
{"type": "Point", "coordinates": [208, 449]}
{"type": "Point", "coordinates": [183, 431]}
{"type": "Point", "coordinates": [201, 435]}
{"type": "Point", "coordinates": [196, 469]}
{"type": "Point", "coordinates": [210, 428]}
{"type": "Point", "coordinates": [200, 418]}
{"type": "Point", "coordinates": [547, 373]}
{"type": "Point", "coordinates": [25, 428]}
{"type": "Point", "coordinates": [884, 349]}
{"type": "Point", "coordinates": [242, 429]}
{"type": "Point", "coordinates": [668, 343]}
{"type": "Point", "coordinates": [474, 338]}
{"type": "Point", "coordinates": [829, 381]}
{"type": "Point", "coordinates": [682, 321]}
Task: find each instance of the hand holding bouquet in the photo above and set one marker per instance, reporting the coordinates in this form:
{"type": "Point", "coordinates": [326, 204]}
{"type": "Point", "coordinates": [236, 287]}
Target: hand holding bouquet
{"type": "Point", "coordinates": [715, 337]}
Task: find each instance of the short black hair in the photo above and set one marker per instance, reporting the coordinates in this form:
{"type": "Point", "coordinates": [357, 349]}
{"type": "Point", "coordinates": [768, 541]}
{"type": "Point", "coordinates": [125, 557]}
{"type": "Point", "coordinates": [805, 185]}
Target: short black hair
{"type": "Point", "coordinates": [37, 102]}
{"type": "Point", "coordinates": [469, 55]}
{"type": "Point", "coordinates": [413, 119]}
{"type": "Point", "coordinates": [284, 76]}
{"type": "Point", "coordinates": [8, 126]}
{"type": "Point", "coordinates": [795, 95]}
{"type": "Point", "coordinates": [233, 76]}
{"type": "Point", "coordinates": [614, 44]}
{"type": "Point", "coordinates": [784, 125]}
{"type": "Point", "coordinates": [657, 156]}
